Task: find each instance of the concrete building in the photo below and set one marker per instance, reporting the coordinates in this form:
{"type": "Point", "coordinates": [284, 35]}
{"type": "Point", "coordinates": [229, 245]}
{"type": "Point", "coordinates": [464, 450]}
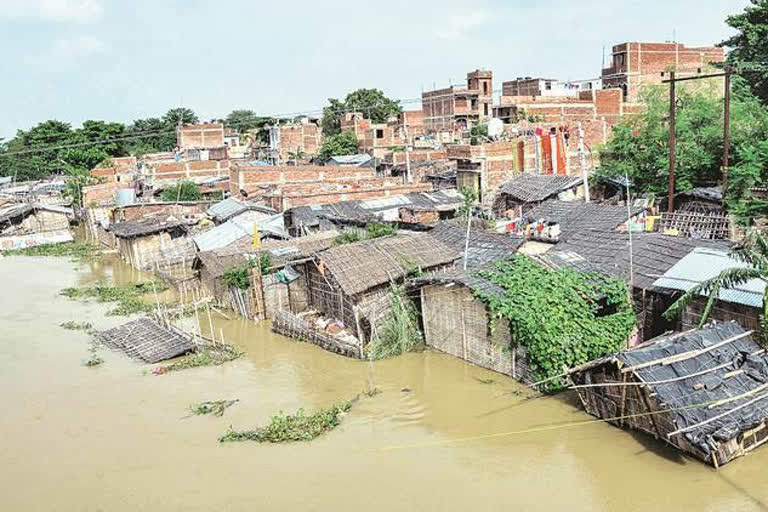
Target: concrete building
{"type": "Point", "coordinates": [547, 87]}
{"type": "Point", "coordinates": [636, 64]}
{"type": "Point", "coordinates": [456, 109]}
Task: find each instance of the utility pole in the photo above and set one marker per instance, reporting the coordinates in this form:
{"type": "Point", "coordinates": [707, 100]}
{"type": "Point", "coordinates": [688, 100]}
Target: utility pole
{"type": "Point", "coordinates": [583, 163]}
{"type": "Point", "coordinates": [672, 131]}
{"type": "Point", "coordinates": [726, 130]}
{"type": "Point", "coordinates": [407, 152]}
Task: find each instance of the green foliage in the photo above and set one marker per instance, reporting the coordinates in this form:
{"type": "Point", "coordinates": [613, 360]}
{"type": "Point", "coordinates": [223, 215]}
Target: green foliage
{"type": "Point", "coordinates": [182, 191]}
{"type": "Point", "coordinates": [210, 355]}
{"type": "Point", "coordinates": [215, 407]}
{"type": "Point", "coordinates": [239, 277]}
{"type": "Point", "coordinates": [265, 263]}
{"type": "Point", "coordinates": [478, 133]}
{"type": "Point", "coordinates": [372, 230]}
{"type": "Point", "coordinates": [93, 359]}
{"type": "Point", "coordinates": [400, 332]}
{"type": "Point", "coordinates": [286, 428]}
{"type": "Point", "coordinates": [128, 298]}
{"type": "Point", "coordinates": [468, 204]}
{"type": "Point", "coordinates": [77, 251]}
{"type": "Point", "coordinates": [750, 45]}
{"type": "Point", "coordinates": [372, 103]}
{"type": "Point", "coordinates": [639, 147]}
{"type": "Point", "coordinates": [345, 143]}
{"type": "Point", "coordinates": [180, 115]}
{"type": "Point", "coordinates": [555, 314]}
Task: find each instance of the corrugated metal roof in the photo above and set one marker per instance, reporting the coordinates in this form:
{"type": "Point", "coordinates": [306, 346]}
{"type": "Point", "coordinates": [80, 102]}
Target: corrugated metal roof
{"type": "Point", "coordinates": [237, 228]}
{"type": "Point", "coordinates": [351, 159]}
{"type": "Point", "coordinates": [226, 209]}
{"type": "Point", "coordinates": [702, 264]}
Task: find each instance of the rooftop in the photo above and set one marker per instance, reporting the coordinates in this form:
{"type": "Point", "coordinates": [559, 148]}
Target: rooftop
{"type": "Point", "coordinates": [530, 188]}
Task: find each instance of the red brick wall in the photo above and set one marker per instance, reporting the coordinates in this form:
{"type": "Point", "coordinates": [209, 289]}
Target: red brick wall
{"type": "Point", "coordinates": [253, 179]}
{"type": "Point", "coordinates": [284, 202]}
{"type": "Point", "coordinates": [169, 172]}
{"type": "Point", "coordinates": [200, 136]}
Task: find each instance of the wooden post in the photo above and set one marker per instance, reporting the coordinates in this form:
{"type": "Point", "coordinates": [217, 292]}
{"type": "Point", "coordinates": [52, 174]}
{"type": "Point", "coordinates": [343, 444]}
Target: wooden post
{"type": "Point", "coordinates": [726, 130]}
{"type": "Point", "coordinates": [672, 134]}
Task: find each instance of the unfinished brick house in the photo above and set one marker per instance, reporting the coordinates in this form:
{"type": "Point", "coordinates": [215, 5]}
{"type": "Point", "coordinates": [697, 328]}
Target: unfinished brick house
{"type": "Point", "coordinates": [636, 64]}
{"type": "Point", "coordinates": [547, 87]}
{"type": "Point", "coordinates": [457, 109]}
{"type": "Point", "coordinates": [198, 136]}
{"type": "Point", "coordinates": [288, 141]}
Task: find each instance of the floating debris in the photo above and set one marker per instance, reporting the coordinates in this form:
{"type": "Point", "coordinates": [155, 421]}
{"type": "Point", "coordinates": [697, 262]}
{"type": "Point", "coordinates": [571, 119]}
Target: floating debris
{"type": "Point", "coordinates": [147, 341]}
{"type": "Point", "coordinates": [484, 381]}
{"type": "Point", "coordinates": [77, 251]}
{"type": "Point", "coordinates": [286, 428]}
{"type": "Point", "coordinates": [216, 407]}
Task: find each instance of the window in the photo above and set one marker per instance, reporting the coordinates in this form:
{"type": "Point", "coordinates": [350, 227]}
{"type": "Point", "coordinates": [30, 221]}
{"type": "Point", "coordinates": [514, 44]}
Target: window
{"type": "Point", "coordinates": [379, 134]}
{"type": "Point", "coordinates": [474, 104]}
{"type": "Point", "coordinates": [548, 86]}
{"type": "Point", "coordinates": [485, 109]}
{"type": "Point", "coordinates": [485, 88]}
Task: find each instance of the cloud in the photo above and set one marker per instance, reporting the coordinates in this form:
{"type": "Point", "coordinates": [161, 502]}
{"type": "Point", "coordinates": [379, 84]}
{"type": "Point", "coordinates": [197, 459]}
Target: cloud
{"type": "Point", "coordinates": [78, 11]}
{"type": "Point", "coordinates": [77, 47]}
{"type": "Point", "coordinates": [459, 25]}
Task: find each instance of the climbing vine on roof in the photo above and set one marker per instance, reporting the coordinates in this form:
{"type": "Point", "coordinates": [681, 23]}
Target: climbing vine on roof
{"type": "Point", "coordinates": [563, 318]}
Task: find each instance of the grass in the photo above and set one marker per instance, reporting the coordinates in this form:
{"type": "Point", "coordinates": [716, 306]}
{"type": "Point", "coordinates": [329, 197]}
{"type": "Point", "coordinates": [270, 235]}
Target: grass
{"type": "Point", "coordinates": [128, 298]}
{"type": "Point", "coordinates": [78, 251]}
{"type": "Point", "coordinates": [400, 331]}
{"type": "Point", "coordinates": [208, 356]}
{"type": "Point", "coordinates": [215, 407]}
{"type": "Point", "coordinates": [77, 326]}
{"type": "Point", "coordinates": [286, 428]}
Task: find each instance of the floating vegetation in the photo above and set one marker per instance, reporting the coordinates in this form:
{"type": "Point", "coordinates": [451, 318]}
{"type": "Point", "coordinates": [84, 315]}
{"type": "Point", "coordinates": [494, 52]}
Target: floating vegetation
{"type": "Point", "coordinates": [71, 325]}
{"type": "Point", "coordinates": [78, 251]}
{"type": "Point", "coordinates": [211, 355]}
{"type": "Point", "coordinates": [215, 407]}
{"type": "Point", "coordinates": [286, 428]}
{"type": "Point", "coordinates": [94, 359]}
{"type": "Point", "coordinates": [128, 298]}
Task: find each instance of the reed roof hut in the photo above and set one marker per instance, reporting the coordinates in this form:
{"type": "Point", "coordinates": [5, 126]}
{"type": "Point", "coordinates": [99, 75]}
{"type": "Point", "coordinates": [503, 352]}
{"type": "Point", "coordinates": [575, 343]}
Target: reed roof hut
{"type": "Point", "coordinates": [703, 391]}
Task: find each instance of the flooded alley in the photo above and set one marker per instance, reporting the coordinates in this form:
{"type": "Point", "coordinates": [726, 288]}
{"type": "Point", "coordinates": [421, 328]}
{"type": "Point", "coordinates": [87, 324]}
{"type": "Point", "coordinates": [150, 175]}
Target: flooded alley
{"type": "Point", "coordinates": [442, 435]}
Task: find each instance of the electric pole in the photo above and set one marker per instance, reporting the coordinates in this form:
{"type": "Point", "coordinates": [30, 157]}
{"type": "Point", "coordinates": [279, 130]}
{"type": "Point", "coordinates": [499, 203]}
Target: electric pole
{"type": "Point", "coordinates": [672, 132]}
{"type": "Point", "coordinates": [726, 130]}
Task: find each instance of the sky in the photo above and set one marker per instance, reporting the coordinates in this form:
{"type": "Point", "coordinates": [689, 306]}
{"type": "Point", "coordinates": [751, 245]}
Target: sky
{"type": "Point", "coordinates": [74, 60]}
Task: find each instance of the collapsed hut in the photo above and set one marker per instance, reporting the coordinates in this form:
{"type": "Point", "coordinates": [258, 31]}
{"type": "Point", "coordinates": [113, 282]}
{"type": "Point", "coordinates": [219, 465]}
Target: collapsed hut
{"type": "Point", "coordinates": [145, 340]}
{"type": "Point", "coordinates": [350, 284]}
{"type": "Point", "coordinates": [703, 391]}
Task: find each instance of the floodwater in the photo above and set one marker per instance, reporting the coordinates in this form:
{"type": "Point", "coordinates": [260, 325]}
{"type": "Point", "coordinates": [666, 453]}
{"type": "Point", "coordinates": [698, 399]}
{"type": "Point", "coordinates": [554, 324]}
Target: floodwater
{"type": "Point", "coordinates": [117, 438]}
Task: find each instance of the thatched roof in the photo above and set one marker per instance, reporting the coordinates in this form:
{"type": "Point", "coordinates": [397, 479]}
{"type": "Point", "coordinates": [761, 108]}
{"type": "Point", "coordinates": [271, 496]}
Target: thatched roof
{"type": "Point", "coordinates": [484, 246]}
{"type": "Point", "coordinates": [574, 216]}
{"type": "Point", "coordinates": [363, 265]}
{"type": "Point", "coordinates": [473, 282]}
{"type": "Point", "coordinates": [720, 366]}
{"type": "Point", "coordinates": [145, 340]}
{"type": "Point", "coordinates": [146, 226]}
{"type": "Point", "coordinates": [530, 188]}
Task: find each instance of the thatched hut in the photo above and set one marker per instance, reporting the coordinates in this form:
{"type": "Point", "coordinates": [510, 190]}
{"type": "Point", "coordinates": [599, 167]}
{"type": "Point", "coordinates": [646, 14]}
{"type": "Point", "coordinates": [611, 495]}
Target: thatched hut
{"type": "Point", "coordinates": [143, 242]}
{"type": "Point", "coordinates": [703, 391]}
{"type": "Point", "coordinates": [456, 322]}
{"type": "Point", "coordinates": [350, 283]}
{"type": "Point", "coordinates": [27, 225]}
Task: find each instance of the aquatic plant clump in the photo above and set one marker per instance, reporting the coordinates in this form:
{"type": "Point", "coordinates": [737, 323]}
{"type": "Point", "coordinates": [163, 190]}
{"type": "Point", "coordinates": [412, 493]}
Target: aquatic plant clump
{"type": "Point", "coordinates": [128, 298]}
{"type": "Point", "coordinates": [71, 325]}
{"type": "Point", "coordinates": [78, 251]}
{"type": "Point", "coordinates": [215, 407]}
{"type": "Point", "coordinates": [94, 359]}
{"type": "Point", "coordinates": [286, 428]}
{"type": "Point", "coordinates": [212, 355]}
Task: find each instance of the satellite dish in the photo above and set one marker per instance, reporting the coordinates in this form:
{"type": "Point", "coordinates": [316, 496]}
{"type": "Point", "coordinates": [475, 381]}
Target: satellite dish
{"type": "Point", "coordinates": [495, 127]}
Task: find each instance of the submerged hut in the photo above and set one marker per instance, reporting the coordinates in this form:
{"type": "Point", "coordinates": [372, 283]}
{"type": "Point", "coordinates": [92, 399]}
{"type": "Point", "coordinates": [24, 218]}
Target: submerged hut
{"type": "Point", "coordinates": [351, 283]}
{"type": "Point", "coordinates": [143, 242]}
{"type": "Point", "coordinates": [458, 323]}
{"type": "Point", "coordinates": [27, 225]}
{"type": "Point", "coordinates": [703, 391]}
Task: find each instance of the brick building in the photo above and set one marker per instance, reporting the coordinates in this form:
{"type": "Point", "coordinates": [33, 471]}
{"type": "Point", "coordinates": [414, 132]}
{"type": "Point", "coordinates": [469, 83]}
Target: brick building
{"type": "Point", "coordinates": [287, 140]}
{"type": "Point", "coordinates": [547, 87]}
{"type": "Point", "coordinates": [636, 64]}
{"type": "Point", "coordinates": [200, 136]}
{"type": "Point", "coordinates": [459, 108]}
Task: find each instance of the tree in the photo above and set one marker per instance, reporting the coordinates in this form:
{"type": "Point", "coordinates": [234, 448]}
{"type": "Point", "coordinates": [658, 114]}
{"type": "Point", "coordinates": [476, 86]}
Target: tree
{"type": "Point", "coordinates": [750, 46]}
{"type": "Point", "coordinates": [754, 252]}
{"type": "Point", "coordinates": [182, 191]}
{"type": "Point", "coordinates": [296, 155]}
{"type": "Point", "coordinates": [345, 143]}
{"type": "Point", "coordinates": [151, 135]}
{"type": "Point", "coordinates": [244, 120]}
{"type": "Point", "coordinates": [639, 146]}
{"type": "Point", "coordinates": [180, 115]}
{"type": "Point", "coordinates": [372, 103]}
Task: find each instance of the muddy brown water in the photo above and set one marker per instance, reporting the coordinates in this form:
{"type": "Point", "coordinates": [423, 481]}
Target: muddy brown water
{"type": "Point", "coordinates": [116, 438]}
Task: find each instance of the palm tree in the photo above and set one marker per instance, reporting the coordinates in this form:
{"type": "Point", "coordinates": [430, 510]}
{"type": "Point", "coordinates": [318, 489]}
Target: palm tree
{"type": "Point", "coordinates": [754, 252]}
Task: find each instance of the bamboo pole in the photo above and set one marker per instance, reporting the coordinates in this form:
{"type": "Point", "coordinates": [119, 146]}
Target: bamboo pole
{"type": "Point", "coordinates": [715, 418]}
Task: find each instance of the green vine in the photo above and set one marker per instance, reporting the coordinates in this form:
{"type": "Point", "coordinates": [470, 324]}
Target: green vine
{"type": "Point", "coordinates": [563, 318]}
